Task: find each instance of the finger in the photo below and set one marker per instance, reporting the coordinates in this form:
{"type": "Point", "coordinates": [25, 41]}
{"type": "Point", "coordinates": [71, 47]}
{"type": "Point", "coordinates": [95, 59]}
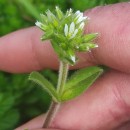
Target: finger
{"type": "Point", "coordinates": [45, 129]}
{"type": "Point", "coordinates": [124, 126]}
{"type": "Point", "coordinates": [35, 124]}
{"type": "Point", "coordinates": [23, 51]}
{"type": "Point", "coordinates": [104, 106]}
{"type": "Point", "coordinates": [112, 23]}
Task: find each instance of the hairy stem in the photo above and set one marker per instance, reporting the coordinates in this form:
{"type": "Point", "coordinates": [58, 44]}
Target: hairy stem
{"type": "Point", "coordinates": [51, 114]}
{"type": "Point", "coordinates": [63, 71]}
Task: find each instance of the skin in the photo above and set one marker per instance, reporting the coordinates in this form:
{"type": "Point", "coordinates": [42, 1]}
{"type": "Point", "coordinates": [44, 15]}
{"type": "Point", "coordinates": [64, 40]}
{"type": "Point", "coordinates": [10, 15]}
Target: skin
{"type": "Point", "coordinates": [106, 105]}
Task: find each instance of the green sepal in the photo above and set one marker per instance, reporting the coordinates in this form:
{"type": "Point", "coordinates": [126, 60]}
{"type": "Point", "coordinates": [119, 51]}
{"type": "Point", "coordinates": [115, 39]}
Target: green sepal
{"type": "Point", "coordinates": [91, 45]}
{"type": "Point", "coordinates": [87, 46]}
{"type": "Point", "coordinates": [79, 82]}
{"type": "Point", "coordinates": [68, 12]}
{"type": "Point", "coordinates": [59, 12]}
{"type": "Point", "coordinates": [44, 19]}
{"type": "Point", "coordinates": [44, 27]}
{"type": "Point", "coordinates": [45, 84]}
{"type": "Point", "coordinates": [50, 15]}
{"type": "Point", "coordinates": [70, 56]}
{"type": "Point", "coordinates": [64, 55]}
{"type": "Point", "coordinates": [63, 46]}
{"type": "Point", "coordinates": [47, 35]}
{"type": "Point", "coordinates": [90, 37]}
{"type": "Point", "coordinates": [52, 18]}
{"type": "Point", "coordinates": [58, 49]}
{"type": "Point", "coordinates": [60, 38]}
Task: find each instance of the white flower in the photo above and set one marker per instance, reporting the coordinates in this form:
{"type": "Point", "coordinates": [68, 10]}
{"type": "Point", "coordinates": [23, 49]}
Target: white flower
{"type": "Point", "coordinates": [70, 32]}
{"type": "Point", "coordinates": [66, 30]}
{"type": "Point", "coordinates": [57, 8]}
{"type": "Point", "coordinates": [96, 45]}
{"type": "Point", "coordinates": [39, 24]}
{"type": "Point", "coordinates": [80, 14]}
{"type": "Point", "coordinates": [77, 12]}
{"type": "Point", "coordinates": [69, 12]}
{"type": "Point", "coordinates": [74, 34]}
{"type": "Point", "coordinates": [81, 26]}
{"type": "Point", "coordinates": [72, 28]}
{"type": "Point", "coordinates": [73, 58]}
{"type": "Point", "coordinates": [81, 18]}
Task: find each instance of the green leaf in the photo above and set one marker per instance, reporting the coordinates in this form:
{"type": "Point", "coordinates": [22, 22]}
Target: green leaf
{"type": "Point", "coordinates": [6, 103]}
{"type": "Point", "coordinates": [80, 81]}
{"type": "Point", "coordinates": [44, 83]}
{"type": "Point", "coordinates": [30, 8]}
{"type": "Point", "coordinates": [9, 119]}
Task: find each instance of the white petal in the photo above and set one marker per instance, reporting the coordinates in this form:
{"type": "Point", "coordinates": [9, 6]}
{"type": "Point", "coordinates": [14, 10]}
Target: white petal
{"type": "Point", "coordinates": [77, 12]}
{"type": "Point", "coordinates": [96, 33]}
{"type": "Point", "coordinates": [80, 14]}
{"type": "Point", "coordinates": [72, 28]}
{"type": "Point", "coordinates": [88, 49]}
{"type": "Point", "coordinates": [81, 26]}
{"type": "Point", "coordinates": [73, 58]}
{"type": "Point", "coordinates": [69, 12]}
{"type": "Point", "coordinates": [80, 19]}
{"type": "Point", "coordinates": [57, 7]}
{"type": "Point", "coordinates": [96, 45]}
{"type": "Point", "coordinates": [87, 18]}
{"type": "Point", "coordinates": [75, 32]}
{"type": "Point", "coordinates": [66, 29]}
{"type": "Point", "coordinates": [39, 24]}
{"type": "Point", "coordinates": [84, 18]}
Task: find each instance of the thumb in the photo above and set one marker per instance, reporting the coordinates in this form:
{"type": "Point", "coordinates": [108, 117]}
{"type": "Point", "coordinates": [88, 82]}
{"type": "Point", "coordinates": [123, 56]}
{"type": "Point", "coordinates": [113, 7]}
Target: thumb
{"type": "Point", "coordinates": [45, 129]}
{"type": "Point", "coordinates": [35, 124]}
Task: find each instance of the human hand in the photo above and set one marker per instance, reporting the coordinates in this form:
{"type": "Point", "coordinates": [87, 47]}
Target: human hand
{"type": "Point", "coordinates": [106, 105]}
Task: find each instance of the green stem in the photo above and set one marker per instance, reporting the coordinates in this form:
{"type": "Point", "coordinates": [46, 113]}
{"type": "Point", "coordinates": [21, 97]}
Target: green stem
{"type": "Point", "coordinates": [63, 71]}
{"type": "Point", "coordinates": [51, 114]}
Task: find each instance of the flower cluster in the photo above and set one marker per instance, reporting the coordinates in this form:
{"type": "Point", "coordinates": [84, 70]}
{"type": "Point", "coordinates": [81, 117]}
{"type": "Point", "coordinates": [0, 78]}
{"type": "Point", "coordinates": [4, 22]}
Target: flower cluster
{"type": "Point", "coordinates": [65, 32]}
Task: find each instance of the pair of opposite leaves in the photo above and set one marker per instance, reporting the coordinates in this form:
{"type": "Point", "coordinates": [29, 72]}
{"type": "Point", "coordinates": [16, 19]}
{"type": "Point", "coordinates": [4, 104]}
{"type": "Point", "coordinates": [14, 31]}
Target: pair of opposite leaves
{"type": "Point", "coordinates": [77, 84]}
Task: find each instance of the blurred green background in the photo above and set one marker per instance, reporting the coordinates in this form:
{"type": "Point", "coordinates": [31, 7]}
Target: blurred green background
{"type": "Point", "coordinates": [21, 100]}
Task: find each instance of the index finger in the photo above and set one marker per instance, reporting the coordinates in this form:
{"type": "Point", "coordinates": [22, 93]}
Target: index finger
{"type": "Point", "coordinates": [22, 51]}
